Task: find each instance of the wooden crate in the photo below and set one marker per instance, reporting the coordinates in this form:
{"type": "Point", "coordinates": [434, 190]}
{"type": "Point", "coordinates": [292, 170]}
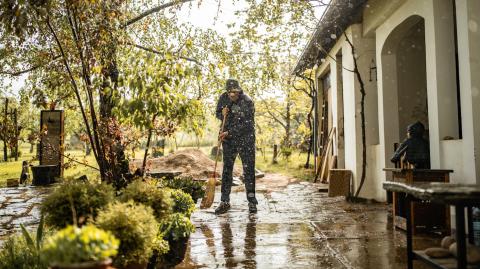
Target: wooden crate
{"type": "Point", "coordinates": [339, 182]}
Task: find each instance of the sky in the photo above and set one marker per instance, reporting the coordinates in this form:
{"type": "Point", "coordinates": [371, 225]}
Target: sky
{"type": "Point", "coordinates": [206, 16]}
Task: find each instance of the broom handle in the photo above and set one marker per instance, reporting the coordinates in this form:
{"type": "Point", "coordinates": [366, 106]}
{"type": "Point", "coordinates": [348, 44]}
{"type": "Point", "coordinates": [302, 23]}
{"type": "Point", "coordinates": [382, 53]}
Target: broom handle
{"type": "Point", "coordinates": [218, 147]}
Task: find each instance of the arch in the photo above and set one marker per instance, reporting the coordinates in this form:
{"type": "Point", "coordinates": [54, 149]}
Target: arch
{"type": "Point", "coordinates": [404, 79]}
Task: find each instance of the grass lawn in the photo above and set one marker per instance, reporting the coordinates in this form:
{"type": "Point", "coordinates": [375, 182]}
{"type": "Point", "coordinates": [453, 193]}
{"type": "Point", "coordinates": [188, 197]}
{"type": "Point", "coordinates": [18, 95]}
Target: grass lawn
{"type": "Point", "coordinates": [294, 166]}
{"type": "Point", "coordinates": [291, 167]}
{"type": "Point", "coordinates": [12, 169]}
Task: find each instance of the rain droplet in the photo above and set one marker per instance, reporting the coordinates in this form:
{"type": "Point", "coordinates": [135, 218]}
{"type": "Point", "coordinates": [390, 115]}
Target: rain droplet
{"type": "Point", "coordinates": [472, 26]}
{"type": "Point", "coordinates": [475, 92]}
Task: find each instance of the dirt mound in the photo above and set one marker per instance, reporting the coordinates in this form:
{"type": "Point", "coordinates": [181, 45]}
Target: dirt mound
{"type": "Point", "coordinates": [190, 162]}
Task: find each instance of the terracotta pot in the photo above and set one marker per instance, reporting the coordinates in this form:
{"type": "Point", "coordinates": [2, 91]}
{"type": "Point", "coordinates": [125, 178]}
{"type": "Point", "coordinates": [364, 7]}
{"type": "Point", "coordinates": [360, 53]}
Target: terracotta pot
{"type": "Point", "coordinates": [106, 264]}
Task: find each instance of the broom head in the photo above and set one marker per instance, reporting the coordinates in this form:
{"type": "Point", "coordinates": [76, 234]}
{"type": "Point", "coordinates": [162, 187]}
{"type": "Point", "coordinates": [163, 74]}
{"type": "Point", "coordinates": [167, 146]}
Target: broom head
{"type": "Point", "coordinates": [207, 200]}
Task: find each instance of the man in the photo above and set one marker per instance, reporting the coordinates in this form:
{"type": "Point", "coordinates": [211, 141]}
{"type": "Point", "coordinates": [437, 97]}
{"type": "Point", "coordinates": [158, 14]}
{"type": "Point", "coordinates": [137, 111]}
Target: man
{"type": "Point", "coordinates": [238, 137]}
{"type": "Point", "coordinates": [415, 148]}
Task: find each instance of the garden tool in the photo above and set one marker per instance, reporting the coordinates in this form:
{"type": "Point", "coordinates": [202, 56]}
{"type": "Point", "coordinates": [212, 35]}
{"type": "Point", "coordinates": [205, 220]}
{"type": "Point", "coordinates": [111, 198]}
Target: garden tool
{"type": "Point", "coordinates": [207, 200]}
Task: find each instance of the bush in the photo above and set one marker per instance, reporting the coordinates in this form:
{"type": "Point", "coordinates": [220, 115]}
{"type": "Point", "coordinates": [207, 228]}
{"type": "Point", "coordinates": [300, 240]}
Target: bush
{"type": "Point", "coordinates": [76, 245]}
{"type": "Point", "coordinates": [17, 254]}
{"type": "Point", "coordinates": [176, 226]}
{"type": "Point", "coordinates": [187, 185]}
{"type": "Point", "coordinates": [182, 202]}
{"type": "Point", "coordinates": [87, 200]}
{"type": "Point", "coordinates": [136, 228]}
{"type": "Point", "coordinates": [148, 194]}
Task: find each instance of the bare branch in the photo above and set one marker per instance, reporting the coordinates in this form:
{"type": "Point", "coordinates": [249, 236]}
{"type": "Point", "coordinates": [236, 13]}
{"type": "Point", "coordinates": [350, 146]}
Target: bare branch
{"type": "Point", "coordinates": [273, 116]}
{"type": "Point", "coordinates": [160, 53]}
{"type": "Point", "coordinates": [30, 69]}
{"type": "Point", "coordinates": [154, 10]}
{"type": "Point", "coordinates": [74, 86]}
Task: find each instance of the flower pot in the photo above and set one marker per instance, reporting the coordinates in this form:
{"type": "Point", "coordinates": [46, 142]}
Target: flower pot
{"type": "Point", "coordinates": [106, 264]}
{"type": "Point", "coordinates": [176, 254]}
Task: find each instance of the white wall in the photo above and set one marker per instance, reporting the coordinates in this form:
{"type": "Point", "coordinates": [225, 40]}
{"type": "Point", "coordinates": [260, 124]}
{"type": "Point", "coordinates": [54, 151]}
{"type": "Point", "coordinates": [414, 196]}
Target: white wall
{"type": "Point", "coordinates": [440, 70]}
{"type": "Point", "coordinates": [468, 25]}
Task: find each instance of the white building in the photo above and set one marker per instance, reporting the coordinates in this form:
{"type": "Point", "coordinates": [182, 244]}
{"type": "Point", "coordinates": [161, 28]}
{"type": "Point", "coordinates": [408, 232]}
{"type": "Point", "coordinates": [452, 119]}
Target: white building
{"type": "Point", "coordinates": [419, 60]}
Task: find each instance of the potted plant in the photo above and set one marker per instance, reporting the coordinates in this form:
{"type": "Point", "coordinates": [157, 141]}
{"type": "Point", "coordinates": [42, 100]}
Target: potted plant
{"type": "Point", "coordinates": [176, 229]}
{"type": "Point", "coordinates": [182, 202]}
{"type": "Point", "coordinates": [79, 199]}
{"type": "Point", "coordinates": [148, 194]}
{"type": "Point", "coordinates": [192, 187]}
{"type": "Point", "coordinates": [136, 228]}
{"type": "Point", "coordinates": [87, 247]}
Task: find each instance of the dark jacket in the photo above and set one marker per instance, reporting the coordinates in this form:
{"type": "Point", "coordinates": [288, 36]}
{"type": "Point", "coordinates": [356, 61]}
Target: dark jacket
{"type": "Point", "coordinates": [415, 148]}
{"type": "Point", "coordinates": [240, 118]}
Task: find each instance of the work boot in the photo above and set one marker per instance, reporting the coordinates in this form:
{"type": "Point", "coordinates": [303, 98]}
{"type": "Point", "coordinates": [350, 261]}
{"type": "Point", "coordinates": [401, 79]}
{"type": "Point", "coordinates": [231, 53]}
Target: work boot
{"type": "Point", "coordinates": [252, 208]}
{"type": "Point", "coordinates": [222, 208]}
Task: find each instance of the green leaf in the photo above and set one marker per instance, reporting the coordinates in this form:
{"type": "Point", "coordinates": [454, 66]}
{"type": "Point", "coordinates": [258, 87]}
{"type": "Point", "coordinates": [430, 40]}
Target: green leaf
{"type": "Point", "coordinates": [27, 237]}
{"type": "Point", "coordinates": [40, 233]}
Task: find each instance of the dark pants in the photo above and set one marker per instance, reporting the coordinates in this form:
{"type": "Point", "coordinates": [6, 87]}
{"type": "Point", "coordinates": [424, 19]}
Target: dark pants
{"type": "Point", "coordinates": [246, 149]}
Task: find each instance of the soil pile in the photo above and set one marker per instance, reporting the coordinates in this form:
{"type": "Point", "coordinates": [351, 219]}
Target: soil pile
{"type": "Point", "coordinates": [190, 162]}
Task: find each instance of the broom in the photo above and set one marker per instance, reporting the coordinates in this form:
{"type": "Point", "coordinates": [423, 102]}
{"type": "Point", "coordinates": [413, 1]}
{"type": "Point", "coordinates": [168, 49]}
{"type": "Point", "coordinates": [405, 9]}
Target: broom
{"type": "Point", "coordinates": [207, 200]}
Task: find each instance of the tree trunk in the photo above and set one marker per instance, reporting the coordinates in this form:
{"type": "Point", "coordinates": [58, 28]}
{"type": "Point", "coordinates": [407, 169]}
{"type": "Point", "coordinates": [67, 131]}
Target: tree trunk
{"type": "Point", "coordinates": [31, 147]}
{"type": "Point", "coordinates": [5, 151]}
{"type": "Point", "coordinates": [88, 149]}
{"type": "Point", "coordinates": [287, 142]}
{"type": "Point", "coordinates": [15, 122]}
{"type": "Point", "coordinates": [275, 154]}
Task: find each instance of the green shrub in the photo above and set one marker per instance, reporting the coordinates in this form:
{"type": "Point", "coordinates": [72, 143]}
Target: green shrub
{"type": "Point", "coordinates": [76, 245]}
{"type": "Point", "coordinates": [176, 226]}
{"type": "Point", "coordinates": [87, 199]}
{"type": "Point", "coordinates": [187, 185]}
{"type": "Point", "coordinates": [147, 193]}
{"type": "Point", "coordinates": [136, 228]}
{"type": "Point", "coordinates": [182, 202]}
{"type": "Point", "coordinates": [17, 254]}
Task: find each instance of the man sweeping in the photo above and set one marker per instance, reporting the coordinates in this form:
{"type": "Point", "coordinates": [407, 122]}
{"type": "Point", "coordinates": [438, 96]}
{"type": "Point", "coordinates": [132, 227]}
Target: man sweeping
{"type": "Point", "coordinates": [238, 138]}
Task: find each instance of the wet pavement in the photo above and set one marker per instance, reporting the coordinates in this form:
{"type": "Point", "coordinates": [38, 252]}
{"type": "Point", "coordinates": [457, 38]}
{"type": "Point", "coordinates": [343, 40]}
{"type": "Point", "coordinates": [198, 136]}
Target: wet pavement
{"type": "Point", "coordinates": [297, 227]}
{"type": "Point", "coordinates": [20, 205]}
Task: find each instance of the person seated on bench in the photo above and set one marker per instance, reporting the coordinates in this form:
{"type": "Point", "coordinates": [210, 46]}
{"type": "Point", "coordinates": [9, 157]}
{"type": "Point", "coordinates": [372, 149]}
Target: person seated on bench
{"type": "Point", "coordinates": [415, 149]}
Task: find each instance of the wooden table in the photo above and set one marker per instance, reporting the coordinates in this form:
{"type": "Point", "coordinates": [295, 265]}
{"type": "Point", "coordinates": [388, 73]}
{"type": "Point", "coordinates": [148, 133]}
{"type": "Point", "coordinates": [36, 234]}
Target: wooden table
{"type": "Point", "coordinates": [460, 196]}
{"type": "Point", "coordinates": [424, 215]}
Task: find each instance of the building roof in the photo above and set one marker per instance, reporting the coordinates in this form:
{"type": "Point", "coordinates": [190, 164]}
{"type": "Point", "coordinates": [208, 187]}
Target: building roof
{"type": "Point", "coordinates": [337, 17]}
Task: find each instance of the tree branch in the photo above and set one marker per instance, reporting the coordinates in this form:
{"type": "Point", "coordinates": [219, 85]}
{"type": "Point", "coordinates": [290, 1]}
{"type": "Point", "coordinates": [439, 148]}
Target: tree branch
{"type": "Point", "coordinates": [74, 86]}
{"type": "Point", "coordinates": [160, 53]}
{"type": "Point", "coordinates": [154, 10]}
{"type": "Point", "coordinates": [273, 115]}
{"type": "Point", "coordinates": [21, 72]}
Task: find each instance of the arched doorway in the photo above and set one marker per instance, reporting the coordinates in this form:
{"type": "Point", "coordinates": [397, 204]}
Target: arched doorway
{"type": "Point", "coordinates": [404, 80]}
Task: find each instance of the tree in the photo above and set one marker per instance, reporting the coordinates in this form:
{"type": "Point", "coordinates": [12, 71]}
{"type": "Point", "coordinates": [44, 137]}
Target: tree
{"type": "Point", "coordinates": [84, 42]}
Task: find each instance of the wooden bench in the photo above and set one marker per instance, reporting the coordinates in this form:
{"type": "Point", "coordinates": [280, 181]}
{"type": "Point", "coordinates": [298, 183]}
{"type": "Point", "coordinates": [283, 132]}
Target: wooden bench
{"type": "Point", "coordinates": [424, 215]}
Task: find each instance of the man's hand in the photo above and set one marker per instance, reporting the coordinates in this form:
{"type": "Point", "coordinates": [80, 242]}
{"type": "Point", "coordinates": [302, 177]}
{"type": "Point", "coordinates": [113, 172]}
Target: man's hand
{"type": "Point", "coordinates": [225, 111]}
{"type": "Point", "coordinates": [222, 136]}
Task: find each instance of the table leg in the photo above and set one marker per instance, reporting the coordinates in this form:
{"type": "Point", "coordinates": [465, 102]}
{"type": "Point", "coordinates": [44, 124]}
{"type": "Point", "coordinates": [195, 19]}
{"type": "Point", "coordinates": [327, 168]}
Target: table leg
{"type": "Point", "coordinates": [460, 237]}
{"type": "Point", "coordinates": [409, 232]}
{"type": "Point", "coordinates": [470, 225]}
